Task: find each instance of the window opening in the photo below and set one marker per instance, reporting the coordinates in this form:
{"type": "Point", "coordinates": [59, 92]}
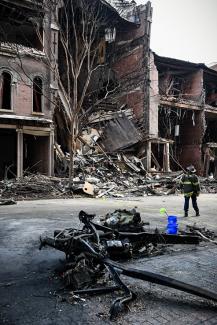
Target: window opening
{"type": "Point", "coordinates": [37, 95]}
{"type": "Point", "coordinates": [5, 91]}
{"type": "Point", "coordinates": [54, 43]}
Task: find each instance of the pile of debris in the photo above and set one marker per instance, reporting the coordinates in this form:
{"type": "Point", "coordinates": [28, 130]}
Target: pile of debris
{"type": "Point", "coordinates": [92, 253]}
{"type": "Point", "coordinates": [100, 175]}
{"type": "Point", "coordinates": [208, 185]}
{"type": "Point", "coordinates": [206, 234]}
{"type": "Point", "coordinates": [34, 187]}
{"type": "Point", "coordinates": [119, 175]}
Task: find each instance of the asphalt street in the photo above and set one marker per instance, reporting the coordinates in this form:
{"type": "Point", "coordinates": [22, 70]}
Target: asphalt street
{"type": "Point", "coordinates": [28, 287]}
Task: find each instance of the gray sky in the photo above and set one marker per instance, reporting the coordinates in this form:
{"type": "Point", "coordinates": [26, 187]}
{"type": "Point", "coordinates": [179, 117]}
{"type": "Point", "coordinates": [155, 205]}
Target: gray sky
{"type": "Point", "coordinates": [185, 29]}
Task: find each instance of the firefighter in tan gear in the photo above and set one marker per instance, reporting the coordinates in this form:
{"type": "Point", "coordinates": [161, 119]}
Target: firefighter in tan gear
{"type": "Point", "coordinates": [190, 187]}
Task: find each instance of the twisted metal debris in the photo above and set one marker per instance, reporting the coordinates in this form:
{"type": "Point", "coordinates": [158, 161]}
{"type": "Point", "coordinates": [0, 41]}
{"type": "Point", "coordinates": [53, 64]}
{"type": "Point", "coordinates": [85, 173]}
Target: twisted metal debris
{"type": "Point", "coordinates": [94, 250]}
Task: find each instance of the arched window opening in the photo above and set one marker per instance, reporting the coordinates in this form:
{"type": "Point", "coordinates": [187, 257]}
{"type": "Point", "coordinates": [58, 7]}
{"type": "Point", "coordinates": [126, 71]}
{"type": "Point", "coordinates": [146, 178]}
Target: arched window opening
{"type": "Point", "coordinates": [5, 90]}
{"type": "Point", "coordinates": [37, 94]}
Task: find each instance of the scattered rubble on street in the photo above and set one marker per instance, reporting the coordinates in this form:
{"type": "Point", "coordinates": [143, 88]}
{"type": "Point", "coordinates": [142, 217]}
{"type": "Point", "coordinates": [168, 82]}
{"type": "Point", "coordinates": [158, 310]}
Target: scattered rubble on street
{"type": "Point", "coordinates": [7, 202]}
{"type": "Point", "coordinates": [202, 232]}
{"type": "Point", "coordinates": [33, 187]}
{"type": "Point", "coordinates": [99, 175]}
{"type": "Point", "coordinates": [96, 253]}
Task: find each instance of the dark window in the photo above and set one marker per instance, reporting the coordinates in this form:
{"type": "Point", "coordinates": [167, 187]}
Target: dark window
{"type": "Point", "coordinates": [55, 42]}
{"type": "Point", "coordinates": [5, 91]}
{"type": "Point", "coordinates": [37, 95]}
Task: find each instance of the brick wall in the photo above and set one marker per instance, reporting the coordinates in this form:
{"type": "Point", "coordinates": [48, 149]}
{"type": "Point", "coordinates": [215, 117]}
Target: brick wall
{"type": "Point", "coordinates": [129, 63]}
{"type": "Point", "coordinates": [135, 100]}
{"type": "Point", "coordinates": [22, 94]}
{"type": "Point", "coordinates": [191, 137]}
{"type": "Point", "coordinates": [128, 70]}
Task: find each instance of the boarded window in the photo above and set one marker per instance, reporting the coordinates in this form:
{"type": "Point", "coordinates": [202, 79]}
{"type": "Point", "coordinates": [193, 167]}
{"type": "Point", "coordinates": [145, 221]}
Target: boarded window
{"type": "Point", "coordinates": [37, 95]}
{"type": "Point", "coordinates": [5, 90]}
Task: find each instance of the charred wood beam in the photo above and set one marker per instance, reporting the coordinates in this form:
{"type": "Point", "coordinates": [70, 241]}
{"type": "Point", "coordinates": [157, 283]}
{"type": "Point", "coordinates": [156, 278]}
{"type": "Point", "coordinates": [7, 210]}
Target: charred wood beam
{"type": "Point", "coordinates": [155, 238]}
{"type": "Point", "coordinates": [160, 238]}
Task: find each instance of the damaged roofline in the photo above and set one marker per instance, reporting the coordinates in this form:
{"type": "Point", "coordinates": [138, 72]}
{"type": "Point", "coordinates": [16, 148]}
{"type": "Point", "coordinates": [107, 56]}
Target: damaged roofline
{"type": "Point", "coordinates": [175, 62]}
{"type": "Point", "coordinates": [105, 3]}
{"type": "Point", "coordinates": [13, 49]}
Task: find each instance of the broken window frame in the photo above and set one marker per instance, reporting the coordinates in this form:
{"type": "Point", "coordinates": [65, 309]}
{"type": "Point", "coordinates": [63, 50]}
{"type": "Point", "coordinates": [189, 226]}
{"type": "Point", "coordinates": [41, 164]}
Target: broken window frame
{"type": "Point", "coordinates": [37, 93]}
{"type": "Point", "coordinates": [9, 73]}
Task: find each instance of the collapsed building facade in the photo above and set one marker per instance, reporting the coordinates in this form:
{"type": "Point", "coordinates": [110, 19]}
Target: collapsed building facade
{"type": "Point", "coordinates": [185, 106]}
{"type": "Point", "coordinates": [33, 108]}
{"type": "Point", "coordinates": [117, 94]}
{"type": "Point", "coordinates": [161, 110]}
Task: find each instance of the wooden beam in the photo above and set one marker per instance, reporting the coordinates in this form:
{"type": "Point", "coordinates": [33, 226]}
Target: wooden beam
{"type": "Point", "coordinates": [180, 105]}
{"type": "Point", "coordinates": [7, 126]}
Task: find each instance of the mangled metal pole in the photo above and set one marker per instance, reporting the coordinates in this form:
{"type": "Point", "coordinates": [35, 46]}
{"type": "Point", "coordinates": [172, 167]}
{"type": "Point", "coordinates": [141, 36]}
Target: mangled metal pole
{"type": "Point", "coordinates": [93, 245]}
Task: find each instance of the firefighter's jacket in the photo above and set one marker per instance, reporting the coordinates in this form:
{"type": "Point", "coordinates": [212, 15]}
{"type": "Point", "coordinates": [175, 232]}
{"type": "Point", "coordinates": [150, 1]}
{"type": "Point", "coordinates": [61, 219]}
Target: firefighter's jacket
{"type": "Point", "coordinates": [189, 184]}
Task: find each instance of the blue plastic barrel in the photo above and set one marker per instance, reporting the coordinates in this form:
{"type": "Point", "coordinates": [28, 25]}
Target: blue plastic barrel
{"type": "Point", "coordinates": [172, 226]}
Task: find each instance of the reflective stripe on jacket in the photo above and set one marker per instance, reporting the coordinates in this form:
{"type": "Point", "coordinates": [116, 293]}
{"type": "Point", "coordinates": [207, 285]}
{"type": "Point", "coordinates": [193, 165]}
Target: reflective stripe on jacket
{"type": "Point", "coordinates": [189, 184]}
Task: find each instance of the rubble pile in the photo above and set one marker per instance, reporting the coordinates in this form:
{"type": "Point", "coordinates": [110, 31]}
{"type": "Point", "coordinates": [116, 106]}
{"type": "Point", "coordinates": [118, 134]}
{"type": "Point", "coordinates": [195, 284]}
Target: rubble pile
{"type": "Point", "coordinates": [99, 175]}
{"type": "Point", "coordinates": [92, 253]}
{"type": "Point", "coordinates": [206, 234]}
{"type": "Point", "coordinates": [208, 185]}
{"type": "Point", "coordinates": [120, 176]}
{"type": "Point", "coordinates": [33, 187]}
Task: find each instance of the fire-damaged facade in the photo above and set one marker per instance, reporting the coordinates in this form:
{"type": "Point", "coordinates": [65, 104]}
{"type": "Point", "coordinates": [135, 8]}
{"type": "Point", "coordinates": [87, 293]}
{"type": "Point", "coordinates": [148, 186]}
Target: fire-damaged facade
{"type": "Point", "coordinates": [185, 106]}
{"type": "Point", "coordinates": [33, 107]}
{"type": "Point", "coordinates": [135, 102]}
{"type": "Point", "coordinates": [26, 131]}
{"type": "Point", "coordinates": [118, 93]}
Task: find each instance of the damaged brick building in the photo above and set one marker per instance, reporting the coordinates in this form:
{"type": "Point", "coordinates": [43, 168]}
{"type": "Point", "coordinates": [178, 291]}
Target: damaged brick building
{"type": "Point", "coordinates": [161, 110]}
{"type": "Point", "coordinates": [30, 93]}
{"type": "Point", "coordinates": [29, 88]}
{"type": "Point", "coordinates": [164, 111]}
{"type": "Point", "coordinates": [26, 131]}
{"type": "Point", "coordinates": [185, 106]}
{"type": "Point", "coordinates": [118, 90]}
